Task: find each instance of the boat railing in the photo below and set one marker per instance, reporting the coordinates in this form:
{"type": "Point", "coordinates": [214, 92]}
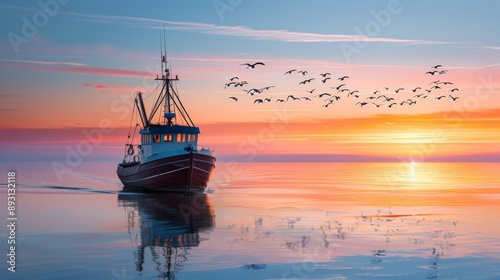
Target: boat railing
{"type": "Point", "coordinates": [133, 154]}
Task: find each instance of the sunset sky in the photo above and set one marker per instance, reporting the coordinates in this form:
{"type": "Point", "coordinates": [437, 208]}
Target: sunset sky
{"type": "Point", "coordinates": [69, 69]}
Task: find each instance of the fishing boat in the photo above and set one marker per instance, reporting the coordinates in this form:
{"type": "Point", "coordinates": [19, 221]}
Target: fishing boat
{"type": "Point", "coordinates": [168, 157]}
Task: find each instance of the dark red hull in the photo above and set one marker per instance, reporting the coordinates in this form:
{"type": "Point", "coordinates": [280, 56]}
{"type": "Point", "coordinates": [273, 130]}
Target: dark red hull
{"type": "Point", "coordinates": [182, 173]}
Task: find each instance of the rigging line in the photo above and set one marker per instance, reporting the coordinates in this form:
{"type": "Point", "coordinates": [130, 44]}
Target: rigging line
{"type": "Point", "coordinates": [157, 105]}
{"type": "Point", "coordinates": [130, 125]}
{"type": "Point", "coordinates": [182, 111]}
{"type": "Point", "coordinates": [188, 119]}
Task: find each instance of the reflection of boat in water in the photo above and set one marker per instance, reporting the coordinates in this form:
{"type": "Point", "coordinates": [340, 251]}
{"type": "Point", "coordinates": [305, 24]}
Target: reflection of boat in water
{"type": "Point", "coordinates": [165, 226]}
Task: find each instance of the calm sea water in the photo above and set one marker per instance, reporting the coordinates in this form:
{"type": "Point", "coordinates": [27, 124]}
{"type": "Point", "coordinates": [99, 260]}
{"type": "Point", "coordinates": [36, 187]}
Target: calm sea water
{"type": "Point", "coordinates": [259, 221]}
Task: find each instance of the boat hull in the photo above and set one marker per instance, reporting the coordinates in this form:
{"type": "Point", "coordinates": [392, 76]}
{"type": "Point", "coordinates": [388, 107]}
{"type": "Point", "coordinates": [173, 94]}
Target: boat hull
{"type": "Point", "coordinates": [181, 173]}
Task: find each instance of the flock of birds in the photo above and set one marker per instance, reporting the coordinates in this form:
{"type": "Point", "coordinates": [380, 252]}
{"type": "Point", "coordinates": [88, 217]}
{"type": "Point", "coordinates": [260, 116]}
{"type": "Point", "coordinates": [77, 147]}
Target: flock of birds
{"type": "Point", "coordinates": [386, 97]}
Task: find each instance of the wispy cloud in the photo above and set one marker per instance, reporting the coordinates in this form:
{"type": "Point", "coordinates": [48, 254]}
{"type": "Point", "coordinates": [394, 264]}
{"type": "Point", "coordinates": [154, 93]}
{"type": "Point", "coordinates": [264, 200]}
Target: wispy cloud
{"type": "Point", "coordinates": [70, 67]}
{"type": "Point", "coordinates": [243, 31]}
{"type": "Point", "coordinates": [492, 48]}
{"type": "Point", "coordinates": [111, 88]}
{"type": "Point", "coordinates": [42, 62]}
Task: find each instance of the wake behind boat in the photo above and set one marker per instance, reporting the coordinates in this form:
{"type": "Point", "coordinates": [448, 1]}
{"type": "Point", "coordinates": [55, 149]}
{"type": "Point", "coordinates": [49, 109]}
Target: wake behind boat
{"type": "Point", "coordinates": [168, 158]}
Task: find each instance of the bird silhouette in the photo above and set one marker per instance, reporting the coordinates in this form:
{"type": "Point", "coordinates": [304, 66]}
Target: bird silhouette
{"type": "Point", "coordinates": [376, 105]}
{"type": "Point", "coordinates": [343, 78]}
{"type": "Point", "coordinates": [415, 89]}
{"type": "Point", "coordinates": [361, 104]}
{"type": "Point", "coordinates": [240, 84]}
{"type": "Point", "coordinates": [306, 98]}
{"type": "Point", "coordinates": [454, 89]}
{"type": "Point", "coordinates": [392, 104]}
{"type": "Point", "coordinates": [258, 101]}
{"type": "Point", "coordinates": [306, 81]}
{"type": "Point", "coordinates": [398, 90]}
{"type": "Point", "coordinates": [323, 94]}
{"type": "Point", "coordinates": [290, 71]}
{"type": "Point", "coordinates": [439, 97]}
{"type": "Point", "coordinates": [436, 66]}
{"type": "Point", "coordinates": [325, 79]}
{"type": "Point", "coordinates": [292, 97]}
{"type": "Point", "coordinates": [324, 74]}
{"type": "Point", "coordinates": [233, 98]}
{"type": "Point", "coordinates": [453, 98]}
{"type": "Point", "coordinates": [338, 88]}
{"type": "Point", "coordinates": [266, 88]}
{"type": "Point", "coordinates": [279, 100]}
{"type": "Point", "coordinates": [303, 73]}
{"type": "Point", "coordinates": [252, 65]}
{"type": "Point", "coordinates": [252, 91]}
{"type": "Point", "coordinates": [432, 73]}
{"type": "Point", "coordinates": [311, 91]}
{"type": "Point", "coordinates": [267, 99]}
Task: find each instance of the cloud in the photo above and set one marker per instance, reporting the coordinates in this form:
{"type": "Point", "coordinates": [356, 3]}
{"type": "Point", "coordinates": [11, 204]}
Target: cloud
{"type": "Point", "coordinates": [243, 31]}
{"type": "Point", "coordinates": [42, 62]}
{"type": "Point", "coordinates": [71, 67]}
{"type": "Point", "coordinates": [113, 88]}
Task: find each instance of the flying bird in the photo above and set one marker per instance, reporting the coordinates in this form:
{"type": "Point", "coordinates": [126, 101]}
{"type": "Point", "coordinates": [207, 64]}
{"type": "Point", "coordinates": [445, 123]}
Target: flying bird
{"type": "Point", "coordinates": [303, 73]}
{"type": "Point", "coordinates": [325, 79]}
{"type": "Point", "coordinates": [361, 104]}
{"type": "Point", "coordinates": [266, 88]}
{"type": "Point", "coordinates": [323, 94]}
{"type": "Point", "coordinates": [398, 90]}
{"type": "Point", "coordinates": [432, 73]}
{"type": "Point", "coordinates": [233, 98]}
{"type": "Point", "coordinates": [306, 98]}
{"type": "Point", "coordinates": [343, 78]}
{"type": "Point", "coordinates": [327, 104]}
{"type": "Point", "coordinates": [292, 97]}
{"type": "Point", "coordinates": [250, 65]}
{"type": "Point", "coordinates": [233, 78]}
{"type": "Point", "coordinates": [252, 91]}
{"type": "Point", "coordinates": [375, 92]}
{"type": "Point", "coordinates": [258, 101]}
{"type": "Point", "coordinates": [267, 99]}
{"type": "Point", "coordinates": [376, 105]}
{"type": "Point", "coordinates": [229, 84]}
{"type": "Point", "coordinates": [454, 89]}
{"type": "Point", "coordinates": [325, 74]}
{"type": "Point", "coordinates": [290, 71]}
{"type": "Point", "coordinates": [439, 97]}
{"type": "Point", "coordinates": [453, 98]}
{"type": "Point", "coordinates": [279, 100]}
{"type": "Point", "coordinates": [311, 91]}
{"type": "Point", "coordinates": [436, 66]}
{"type": "Point", "coordinates": [338, 88]}
{"type": "Point", "coordinates": [392, 104]}
{"type": "Point", "coordinates": [306, 81]}
{"type": "Point", "coordinates": [240, 84]}
{"type": "Point", "coordinates": [415, 89]}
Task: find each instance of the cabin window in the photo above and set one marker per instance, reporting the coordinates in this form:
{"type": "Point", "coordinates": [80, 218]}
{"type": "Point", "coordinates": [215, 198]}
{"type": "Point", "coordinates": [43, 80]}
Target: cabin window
{"type": "Point", "coordinates": [191, 137]}
{"type": "Point", "coordinates": [146, 138]}
{"type": "Point", "coordinates": [168, 138]}
{"type": "Point", "coordinates": [156, 138]}
{"type": "Point", "coordinates": [180, 137]}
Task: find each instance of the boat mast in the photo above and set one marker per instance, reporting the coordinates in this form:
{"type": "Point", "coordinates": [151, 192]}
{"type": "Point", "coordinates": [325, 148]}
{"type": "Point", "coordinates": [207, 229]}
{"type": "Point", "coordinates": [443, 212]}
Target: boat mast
{"type": "Point", "coordinates": [168, 95]}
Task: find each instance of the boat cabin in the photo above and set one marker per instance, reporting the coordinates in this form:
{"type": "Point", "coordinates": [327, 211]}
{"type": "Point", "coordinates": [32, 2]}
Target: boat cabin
{"type": "Point", "coordinates": [160, 141]}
